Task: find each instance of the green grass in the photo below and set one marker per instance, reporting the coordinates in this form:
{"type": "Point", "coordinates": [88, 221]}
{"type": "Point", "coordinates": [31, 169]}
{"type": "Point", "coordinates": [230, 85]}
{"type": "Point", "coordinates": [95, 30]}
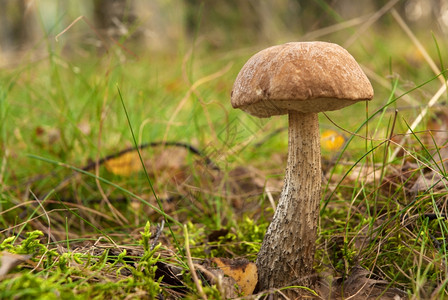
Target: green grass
{"type": "Point", "coordinates": [85, 230]}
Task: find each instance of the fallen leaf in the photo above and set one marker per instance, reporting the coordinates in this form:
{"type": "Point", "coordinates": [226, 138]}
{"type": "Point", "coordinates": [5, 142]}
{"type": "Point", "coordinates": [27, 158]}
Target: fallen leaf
{"type": "Point", "coordinates": [227, 286]}
{"type": "Point", "coordinates": [360, 284]}
{"type": "Point", "coordinates": [331, 140]}
{"type": "Point", "coordinates": [47, 136]}
{"type": "Point", "coordinates": [170, 159]}
{"type": "Point", "coordinates": [241, 270]}
{"type": "Point", "coordinates": [125, 164]}
{"type": "Point", "coordinates": [84, 127]}
{"type": "Point", "coordinates": [432, 178]}
{"type": "Point", "coordinates": [365, 173]}
{"type": "Point", "coordinates": [9, 261]}
{"type": "Point", "coordinates": [217, 234]}
{"type": "Point", "coordinates": [172, 275]}
{"type": "Point", "coordinates": [414, 57]}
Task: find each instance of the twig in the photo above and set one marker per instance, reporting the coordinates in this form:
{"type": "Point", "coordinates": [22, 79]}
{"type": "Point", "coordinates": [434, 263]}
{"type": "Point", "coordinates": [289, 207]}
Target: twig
{"type": "Point", "coordinates": [187, 146]}
{"type": "Point", "coordinates": [209, 162]}
{"type": "Point", "coordinates": [271, 199]}
{"type": "Point", "coordinates": [191, 266]}
{"type": "Point", "coordinates": [101, 161]}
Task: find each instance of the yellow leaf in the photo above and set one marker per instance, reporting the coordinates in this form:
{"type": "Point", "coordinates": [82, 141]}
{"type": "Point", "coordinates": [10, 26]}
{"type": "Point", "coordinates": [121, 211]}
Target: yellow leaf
{"type": "Point", "coordinates": [241, 270]}
{"type": "Point", "coordinates": [331, 140]}
{"type": "Point", "coordinates": [125, 164]}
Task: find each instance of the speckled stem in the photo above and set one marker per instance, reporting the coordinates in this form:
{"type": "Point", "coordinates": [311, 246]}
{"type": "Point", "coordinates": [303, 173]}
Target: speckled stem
{"type": "Point", "coordinates": [287, 253]}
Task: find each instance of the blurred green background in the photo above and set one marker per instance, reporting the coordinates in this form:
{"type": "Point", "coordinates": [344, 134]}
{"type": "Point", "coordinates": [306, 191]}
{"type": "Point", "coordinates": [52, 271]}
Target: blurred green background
{"type": "Point", "coordinates": [164, 25]}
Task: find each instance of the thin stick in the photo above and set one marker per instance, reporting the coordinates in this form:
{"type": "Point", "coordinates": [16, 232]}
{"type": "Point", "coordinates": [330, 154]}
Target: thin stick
{"type": "Point", "coordinates": [50, 236]}
{"type": "Point", "coordinates": [191, 266]}
{"type": "Point", "coordinates": [271, 199]}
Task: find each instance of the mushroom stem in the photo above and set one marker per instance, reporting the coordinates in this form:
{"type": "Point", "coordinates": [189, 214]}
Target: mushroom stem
{"type": "Point", "coordinates": [287, 253]}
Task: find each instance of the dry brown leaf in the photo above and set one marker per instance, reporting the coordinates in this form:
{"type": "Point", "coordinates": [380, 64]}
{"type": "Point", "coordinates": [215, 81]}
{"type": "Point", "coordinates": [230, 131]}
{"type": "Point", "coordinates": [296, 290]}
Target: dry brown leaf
{"type": "Point", "coordinates": [360, 285]}
{"type": "Point", "coordinates": [124, 165]}
{"type": "Point", "coordinates": [436, 136]}
{"type": "Point", "coordinates": [170, 159]}
{"type": "Point", "coordinates": [437, 126]}
{"type": "Point", "coordinates": [9, 261]}
{"type": "Point", "coordinates": [431, 180]}
{"type": "Point", "coordinates": [47, 135]}
{"type": "Point", "coordinates": [241, 270]}
{"type": "Point", "coordinates": [225, 284]}
{"type": "Point", "coordinates": [84, 127]}
{"type": "Point", "coordinates": [365, 173]}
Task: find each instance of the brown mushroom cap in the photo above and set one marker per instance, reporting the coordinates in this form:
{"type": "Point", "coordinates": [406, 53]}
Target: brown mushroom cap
{"type": "Point", "coordinates": [301, 76]}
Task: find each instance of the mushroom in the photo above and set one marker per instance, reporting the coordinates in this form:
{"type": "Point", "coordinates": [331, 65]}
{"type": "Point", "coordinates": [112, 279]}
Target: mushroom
{"type": "Point", "coordinates": [300, 79]}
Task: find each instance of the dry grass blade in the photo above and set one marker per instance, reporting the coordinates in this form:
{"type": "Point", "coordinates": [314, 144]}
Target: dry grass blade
{"type": "Point", "coordinates": [18, 225]}
{"type": "Point", "coordinates": [50, 236]}
{"type": "Point", "coordinates": [419, 118]}
{"type": "Point", "coordinates": [417, 43]}
{"type": "Point", "coordinates": [369, 22]}
{"type": "Point", "coordinates": [334, 28]}
{"type": "Point", "coordinates": [386, 84]}
{"type": "Point", "coordinates": [190, 91]}
{"type": "Point", "coordinates": [191, 266]}
{"type": "Point", "coordinates": [433, 66]}
{"type": "Point", "coordinates": [3, 169]}
{"type": "Point", "coordinates": [119, 218]}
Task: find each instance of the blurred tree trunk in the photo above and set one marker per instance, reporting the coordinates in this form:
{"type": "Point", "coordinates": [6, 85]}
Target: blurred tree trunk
{"type": "Point", "coordinates": [235, 21]}
{"type": "Point", "coordinates": [221, 22]}
{"type": "Point", "coordinates": [16, 25]}
{"type": "Point", "coordinates": [115, 18]}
